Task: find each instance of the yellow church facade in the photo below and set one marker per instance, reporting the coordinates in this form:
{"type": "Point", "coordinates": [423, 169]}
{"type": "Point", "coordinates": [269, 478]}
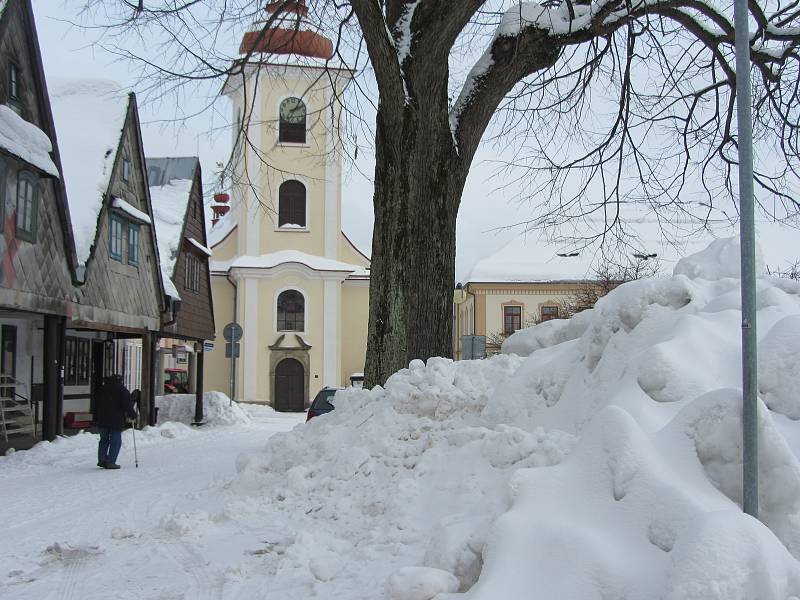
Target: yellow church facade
{"type": "Point", "coordinates": [281, 266]}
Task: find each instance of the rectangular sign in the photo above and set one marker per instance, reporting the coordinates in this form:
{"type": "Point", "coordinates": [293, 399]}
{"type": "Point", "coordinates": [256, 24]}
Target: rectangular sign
{"type": "Point", "coordinates": [232, 350]}
{"type": "Point", "coordinates": [208, 346]}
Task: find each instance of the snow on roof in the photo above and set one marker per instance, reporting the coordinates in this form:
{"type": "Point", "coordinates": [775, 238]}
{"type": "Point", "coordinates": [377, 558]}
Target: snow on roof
{"type": "Point", "coordinates": [89, 115]}
{"type": "Point", "coordinates": [535, 258]}
{"type": "Point", "coordinates": [169, 209]}
{"type": "Point", "coordinates": [274, 259]}
{"type": "Point", "coordinates": [220, 230]}
{"type": "Point", "coordinates": [169, 286]}
{"type": "Point", "coordinates": [131, 210]}
{"type": "Point", "coordinates": [200, 246]}
{"type": "Point", "coordinates": [25, 140]}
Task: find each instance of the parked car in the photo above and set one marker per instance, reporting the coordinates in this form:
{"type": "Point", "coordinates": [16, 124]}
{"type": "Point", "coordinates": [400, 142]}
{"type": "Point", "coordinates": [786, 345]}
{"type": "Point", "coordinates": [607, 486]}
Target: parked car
{"type": "Point", "coordinates": [176, 381]}
{"type": "Point", "coordinates": [322, 403]}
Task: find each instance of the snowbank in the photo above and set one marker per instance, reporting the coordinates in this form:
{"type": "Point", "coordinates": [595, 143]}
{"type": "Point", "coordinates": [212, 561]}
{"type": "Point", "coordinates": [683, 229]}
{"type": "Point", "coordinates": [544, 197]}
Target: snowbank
{"type": "Point", "coordinates": [606, 464]}
{"type": "Point", "coordinates": [217, 409]}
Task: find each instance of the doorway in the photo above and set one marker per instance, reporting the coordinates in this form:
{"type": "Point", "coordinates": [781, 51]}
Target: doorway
{"type": "Point", "coordinates": [289, 386]}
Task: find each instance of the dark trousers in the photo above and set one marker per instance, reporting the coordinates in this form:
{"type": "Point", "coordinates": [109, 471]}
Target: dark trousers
{"type": "Point", "coordinates": [109, 446]}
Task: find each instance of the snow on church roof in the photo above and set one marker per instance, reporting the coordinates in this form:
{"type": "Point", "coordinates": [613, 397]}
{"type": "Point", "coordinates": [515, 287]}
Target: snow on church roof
{"type": "Point", "coordinates": [274, 259]}
{"type": "Point", "coordinates": [89, 116]}
{"type": "Point", "coordinates": [220, 230]}
{"type": "Point", "coordinates": [25, 140]}
{"type": "Point", "coordinates": [535, 258]}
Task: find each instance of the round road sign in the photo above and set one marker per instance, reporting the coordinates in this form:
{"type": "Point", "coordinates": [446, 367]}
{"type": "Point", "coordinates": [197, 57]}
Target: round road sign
{"type": "Point", "coordinates": [232, 332]}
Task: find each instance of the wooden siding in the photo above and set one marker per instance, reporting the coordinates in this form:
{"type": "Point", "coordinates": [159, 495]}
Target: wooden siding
{"type": "Point", "coordinates": [196, 316]}
{"type": "Point", "coordinates": [114, 285]}
{"type": "Point", "coordinates": [34, 276]}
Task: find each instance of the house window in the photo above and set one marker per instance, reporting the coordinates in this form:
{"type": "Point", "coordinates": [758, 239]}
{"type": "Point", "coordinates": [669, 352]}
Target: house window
{"type": "Point", "coordinates": [549, 312]}
{"type": "Point", "coordinates": [126, 170]}
{"type": "Point", "coordinates": [13, 82]}
{"type": "Point", "coordinates": [512, 319]}
{"type": "Point", "coordinates": [83, 362]}
{"type": "Point", "coordinates": [292, 127]}
{"type": "Point", "coordinates": [109, 358]}
{"type": "Point", "coordinates": [291, 311]}
{"type": "Point", "coordinates": [115, 238]}
{"type": "Point", "coordinates": [8, 358]}
{"type": "Point", "coordinates": [192, 273]}
{"type": "Point", "coordinates": [26, 206]}
{"type": "Point", "coordinates": [133, 244]}
{"type": "Point", "coordinates": [292, 205]}
{"type": "Point", "coordinates": [71, 362]}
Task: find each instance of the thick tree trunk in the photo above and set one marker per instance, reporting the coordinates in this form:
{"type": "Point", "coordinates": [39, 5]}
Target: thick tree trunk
{"type": "Point", "coordinates": [419, 179]}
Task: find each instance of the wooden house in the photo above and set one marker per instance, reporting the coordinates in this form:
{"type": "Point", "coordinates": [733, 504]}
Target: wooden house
{"type": "Point", "coordinates": [36, 253]}
{"type": "Point", "coordinates": [176, 191]}
{"type": "Point", "coordinates": [121, 292]}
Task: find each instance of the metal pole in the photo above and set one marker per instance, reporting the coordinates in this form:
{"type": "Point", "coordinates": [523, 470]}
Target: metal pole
{"type": "Point", "coordinates": [233, 363]}
{"type": "Point", "coordinates": [747, 239]}
{"type": "Point", "coordinates": [198, 386]}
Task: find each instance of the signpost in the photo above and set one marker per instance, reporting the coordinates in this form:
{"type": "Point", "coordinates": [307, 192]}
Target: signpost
{"type": "Point", "coordinates": [747, 244]}
{"type": "Point", "coordinates": [232, 334]}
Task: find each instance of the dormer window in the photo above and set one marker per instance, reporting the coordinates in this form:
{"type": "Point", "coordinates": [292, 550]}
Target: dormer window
{"type": "Point", "coordinates": [292, 128]}
{"type": "Point", "coordinates": [115, 239]}
{"type": "Point", "coordinates": [27, 206]}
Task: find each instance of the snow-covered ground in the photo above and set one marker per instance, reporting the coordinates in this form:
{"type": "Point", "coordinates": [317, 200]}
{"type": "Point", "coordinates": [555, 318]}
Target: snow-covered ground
{"type": "Point", "coordinates": [600, 458]}
{"type": "Point", "coordinates": [74, 531]}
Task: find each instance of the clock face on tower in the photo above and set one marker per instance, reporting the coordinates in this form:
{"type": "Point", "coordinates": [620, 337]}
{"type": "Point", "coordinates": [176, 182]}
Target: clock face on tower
{"type": "Point", "coordinates": [293, 111]}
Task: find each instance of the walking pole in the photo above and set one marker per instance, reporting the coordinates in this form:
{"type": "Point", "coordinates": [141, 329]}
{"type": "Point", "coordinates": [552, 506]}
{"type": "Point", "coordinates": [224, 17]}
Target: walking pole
{"type": "Point", "coordinates": [135, 454]}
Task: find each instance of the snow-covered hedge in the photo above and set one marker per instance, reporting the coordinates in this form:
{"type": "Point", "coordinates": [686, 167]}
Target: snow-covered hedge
{"type": "Point", "coordinates": [606, 464]}
{"type": "Point", "coordinates": [217, 409]}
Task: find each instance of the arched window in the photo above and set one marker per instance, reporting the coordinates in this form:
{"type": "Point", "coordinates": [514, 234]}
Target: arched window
{"type": "Point", "coordinates": [292, 121]}
{"type": "Point", "coordinates": [27, 200]}
{"type": "Point", "coordinates": [291, 311]}
{"type": "Point", "coordinates": [292, 204]}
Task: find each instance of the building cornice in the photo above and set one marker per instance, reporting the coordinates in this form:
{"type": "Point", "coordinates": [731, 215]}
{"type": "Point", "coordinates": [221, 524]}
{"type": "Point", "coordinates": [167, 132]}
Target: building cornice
{"type": "Point", "coordinates": [239, 273]}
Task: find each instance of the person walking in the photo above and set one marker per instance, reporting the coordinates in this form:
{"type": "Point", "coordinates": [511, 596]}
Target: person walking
{"type": "Point", "coordinates": [114, 408]}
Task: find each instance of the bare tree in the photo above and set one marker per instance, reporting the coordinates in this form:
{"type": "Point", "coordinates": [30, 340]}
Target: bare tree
{"type": "Point", "coordinates": [605, 101]}
{"type": "Point", "coordinates": [791, 271]}
{"type": "Point", "coordinates": [605, 278]}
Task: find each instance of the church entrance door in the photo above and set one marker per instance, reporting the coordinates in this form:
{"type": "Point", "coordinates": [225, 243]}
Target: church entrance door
{"type": "Point", "coordinates": [289, 384]}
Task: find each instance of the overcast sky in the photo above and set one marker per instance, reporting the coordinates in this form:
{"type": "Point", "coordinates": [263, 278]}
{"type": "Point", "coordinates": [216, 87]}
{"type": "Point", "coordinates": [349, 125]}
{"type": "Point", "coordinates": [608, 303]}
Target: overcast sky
{"type": "Point", "coordinates": [169, 130]}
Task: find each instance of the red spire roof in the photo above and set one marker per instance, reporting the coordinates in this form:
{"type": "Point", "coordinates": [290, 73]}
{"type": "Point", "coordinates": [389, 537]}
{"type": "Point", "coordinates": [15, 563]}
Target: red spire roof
{"type": "Point", "coordinates": [292, 38]}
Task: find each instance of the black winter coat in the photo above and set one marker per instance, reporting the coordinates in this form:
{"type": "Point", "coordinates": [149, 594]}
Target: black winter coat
{"type": "Point", "coordinates": [113, 405]}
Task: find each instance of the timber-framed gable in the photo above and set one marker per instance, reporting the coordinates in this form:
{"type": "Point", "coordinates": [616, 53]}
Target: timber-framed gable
{"type": "Point", "coordinates": [122, 287]}
{"type": "Point", "coordinates": [177, 194]}
{"type": "Point", "coordinates": [37, 266]}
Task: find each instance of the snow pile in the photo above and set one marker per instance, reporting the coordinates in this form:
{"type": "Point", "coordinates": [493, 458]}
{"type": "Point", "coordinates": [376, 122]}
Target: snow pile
{"type": "Point", "coordinates": [217, 409]}
{"type": "Point", "coordinates": [25, 140]}
{"type": "Point", "coordinates": [606, 464]}
{"type": "Point", "coordinates": [89, 115]}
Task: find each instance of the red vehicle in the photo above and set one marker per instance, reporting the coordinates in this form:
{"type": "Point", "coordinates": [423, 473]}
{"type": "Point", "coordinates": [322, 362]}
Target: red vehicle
{"type": "Point", "coordinates": [176, 381]}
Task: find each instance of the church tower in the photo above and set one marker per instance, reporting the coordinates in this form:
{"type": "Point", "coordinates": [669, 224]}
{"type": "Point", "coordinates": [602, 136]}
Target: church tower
{"type": "Point", "coordinates": [281, 266]}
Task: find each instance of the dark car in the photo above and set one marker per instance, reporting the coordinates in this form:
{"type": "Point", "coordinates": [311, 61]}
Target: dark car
{"type": "Point", "coordinates": [323, 402]}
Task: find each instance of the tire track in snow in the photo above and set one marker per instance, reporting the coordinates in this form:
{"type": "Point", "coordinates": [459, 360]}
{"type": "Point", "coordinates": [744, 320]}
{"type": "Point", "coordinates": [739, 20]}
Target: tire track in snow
{"type": "Point", "coordinates": [202, 585]}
